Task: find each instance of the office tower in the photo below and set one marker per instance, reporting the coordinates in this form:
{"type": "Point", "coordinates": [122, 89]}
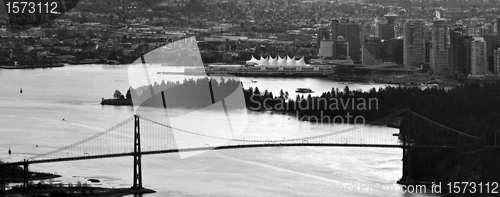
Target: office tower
{"type": "Point", "coordinates": [323, 34]}
{"type": "Point", "coordinates": [386, 30]}
{"type": "Point", "coordinates": [326, 48]}
{"type": "Point", "coordinates": [479, 65]}
{"type": "Point", "coordinates": [398, 50]}
{"type": "Point", "coordinates": [371, 51]}
{"type": "Point", "coordinates": [352, 34]}
{"type": "Point", "coordinates": [496, 61]}
{"type": "Point", "coordinates": [393, 50]}
{"type": "Point", "coordinates": [498, 24]}
{"type": "Point", "coordinates": [414, 43]}
{"type": "Point", "coordinates": [491, 41]}
{"type": "Point", "coordinates": [341, 49]}
{"type": "Point", "coordinates": [439, 47]}
{"type": "Point", "coordinates": [459, 58]}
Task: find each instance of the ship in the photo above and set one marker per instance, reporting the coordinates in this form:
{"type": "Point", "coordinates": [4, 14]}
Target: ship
{"type": "Point", "coordinates": [304, 90]}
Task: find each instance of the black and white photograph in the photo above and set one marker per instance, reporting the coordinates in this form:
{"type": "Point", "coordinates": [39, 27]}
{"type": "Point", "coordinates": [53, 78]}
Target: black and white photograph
{"type": "Point", "coordinates": [249, 98]}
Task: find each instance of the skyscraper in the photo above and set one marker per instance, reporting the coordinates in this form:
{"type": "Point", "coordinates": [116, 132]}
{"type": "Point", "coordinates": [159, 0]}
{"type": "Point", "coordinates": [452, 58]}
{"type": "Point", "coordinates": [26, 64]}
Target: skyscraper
{"type": "Point", "coordinates": [498, 24]}
{"type": "Point", "coordinates": [398, 50]}
{"type": "Point", "coordinates": [479, 65]}
{"type": "Point", "coordinates": [497, 61]}
{"type": "Point", "coordinates": [371, 51]}
{"type": "Point", "coordinates": [439, 46]}
{"type": "Point", "coordinates": [352, 34]}
{"type": "Point", "coordinates": [459, 58]}
{"type": "Point", "coordinates": [341, 48]}
{"type": "Point", "coordinates": [323, 34]}
{"type": "Point", "coordinates": [386, 30]}
{"type": "Point", "coordinates": [326, 48]}
{"type": "Point", "coordinates": [491, 41]}
{"type": "Point", "coordinates": [414, 43]}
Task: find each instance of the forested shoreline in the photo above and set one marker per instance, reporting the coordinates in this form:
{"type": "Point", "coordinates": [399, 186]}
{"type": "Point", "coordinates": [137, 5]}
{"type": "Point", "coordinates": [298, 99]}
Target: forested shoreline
{"type": "Point", "coordinates": [472, 108]}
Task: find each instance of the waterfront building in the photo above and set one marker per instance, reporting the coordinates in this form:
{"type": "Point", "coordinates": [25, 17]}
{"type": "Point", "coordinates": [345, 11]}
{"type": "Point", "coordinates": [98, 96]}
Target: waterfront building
{"type": "Point", "coordinates": [351, 32]}
{"type": "Point", "coordinates": [414, 43]}
{"type": "Point", "coordinates": [439, 47]}
{"type": "Point", "coordinates": [479, 65]}
{"type": "Point", "coordinates": [276, 62]}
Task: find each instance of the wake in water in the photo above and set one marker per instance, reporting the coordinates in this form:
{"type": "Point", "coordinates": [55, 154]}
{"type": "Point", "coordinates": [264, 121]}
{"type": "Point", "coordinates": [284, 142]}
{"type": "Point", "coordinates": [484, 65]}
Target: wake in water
{"type": "Point", "coordinates": [83, 125]}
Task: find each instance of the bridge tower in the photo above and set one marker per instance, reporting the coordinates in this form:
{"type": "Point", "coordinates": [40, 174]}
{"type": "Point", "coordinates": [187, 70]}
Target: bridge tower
{"type": "Point", "coordinates": [407, 175]}
{"type": "Point", "coordinates": [137, 154]}
{"type": "Point", "coordinates": [2, 180]}
{"type": "Point", "coordinates": [25, 176]}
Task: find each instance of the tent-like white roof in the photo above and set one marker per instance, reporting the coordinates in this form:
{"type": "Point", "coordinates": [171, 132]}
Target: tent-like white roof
{"type": "Point", "coordinates": [291, 61]}
{"type": "Point", "coordinates": [301, 62]}
{"type": "Point", "coordinates": [281, 61]}
{"type": "Point", "coordinates": [273, 62]}
{"type": "Point", "coordinates": [278, 61]}
{"type": "Point", "coordinates": [253, 61]}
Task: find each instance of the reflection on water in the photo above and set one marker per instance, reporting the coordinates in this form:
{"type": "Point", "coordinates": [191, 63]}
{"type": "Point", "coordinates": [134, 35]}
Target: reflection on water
{"type": "Point", "coordinates": [74, 92]}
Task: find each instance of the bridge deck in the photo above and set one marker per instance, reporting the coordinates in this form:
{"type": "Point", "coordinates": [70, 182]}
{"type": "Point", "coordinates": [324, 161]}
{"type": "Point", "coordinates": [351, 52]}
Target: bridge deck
{"type": "Point", "coordinates": [88, 157]}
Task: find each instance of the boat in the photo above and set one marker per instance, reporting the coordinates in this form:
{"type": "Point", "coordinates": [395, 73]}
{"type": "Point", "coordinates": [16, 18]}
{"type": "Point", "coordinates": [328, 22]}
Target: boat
{"type": "Point", "coordinates": [304, 90]}
{"type": "Point", "coordinates": [254, 81]}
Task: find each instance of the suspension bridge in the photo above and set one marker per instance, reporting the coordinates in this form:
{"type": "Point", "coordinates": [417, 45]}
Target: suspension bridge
{"type": "Point", "coordinates": [139, 136]}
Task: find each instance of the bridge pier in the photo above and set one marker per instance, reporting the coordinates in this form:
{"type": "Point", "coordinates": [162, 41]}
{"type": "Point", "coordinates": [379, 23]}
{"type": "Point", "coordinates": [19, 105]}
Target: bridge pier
{"type": "Point", "coordinates": [137, 154]}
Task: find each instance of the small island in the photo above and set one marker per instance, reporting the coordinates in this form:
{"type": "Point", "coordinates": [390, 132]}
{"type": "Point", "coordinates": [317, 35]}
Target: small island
{"type": "Point", "coordinates": [118, 99]}
{"type": "Point", "coordinates": [201, 93]}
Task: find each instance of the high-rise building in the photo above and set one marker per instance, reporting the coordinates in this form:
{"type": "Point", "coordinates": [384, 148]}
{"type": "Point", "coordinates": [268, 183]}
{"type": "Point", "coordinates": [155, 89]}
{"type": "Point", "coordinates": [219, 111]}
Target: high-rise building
{"type": "Point", "coordinates": [386, 30]}
{"type": "Point", "coordinates": [372, 51]}
{"type": "Point", "coordinates": [459, 58]}
{"type": "Point", "coordinates": [393, 50]}
{"type": "Point", "coordinates": [326, 48]}
{"type": "Point", "coordinates": [341, 49]}
{"type": "Point", "coordinates": [398, 50]}
{"type": "Point", "coordinates": [323, 34]}
{"type": "Point", "coordinates": [498, 24]}
{"type": "Point", "coordinates": [414, 43]}
{"type": "Point", "coordinates": [497, 62]}
{"type": "Point", "coordinates": [479, 65]}
{"type": "Point", "coordinates": [352, 34]}
{"type": "Point", "coordinates": [491, 41]}
{"type": "Point", "coordinates": [439, 47]}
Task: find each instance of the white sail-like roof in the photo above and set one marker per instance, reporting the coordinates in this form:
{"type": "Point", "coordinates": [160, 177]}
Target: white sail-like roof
{"type": "Point", "coordinates": [278, 61]}
{"type": "Point", "coordinates": [301, 62]}
{"type": "Point", "coordinates": [264, 61]}
{"type": "Point", "coordinates": [253, 61]}
{"type": "Point", "coordinates": [273, 62]}
{"type": "Point", "coordinates": [281, 61]}
{"type": "Point", "coordinates": [291, 61]}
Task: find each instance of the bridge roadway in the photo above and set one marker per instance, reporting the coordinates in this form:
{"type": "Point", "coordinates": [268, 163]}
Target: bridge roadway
{"type": "Point", "coordinates": [214, 148]}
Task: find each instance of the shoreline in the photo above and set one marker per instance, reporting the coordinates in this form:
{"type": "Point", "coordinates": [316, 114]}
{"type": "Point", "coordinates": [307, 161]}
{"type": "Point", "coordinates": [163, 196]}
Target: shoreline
{"type": "Point", "coordinates": [32, 66]}
{"type": "Point", "coordinates": [80, 191]}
